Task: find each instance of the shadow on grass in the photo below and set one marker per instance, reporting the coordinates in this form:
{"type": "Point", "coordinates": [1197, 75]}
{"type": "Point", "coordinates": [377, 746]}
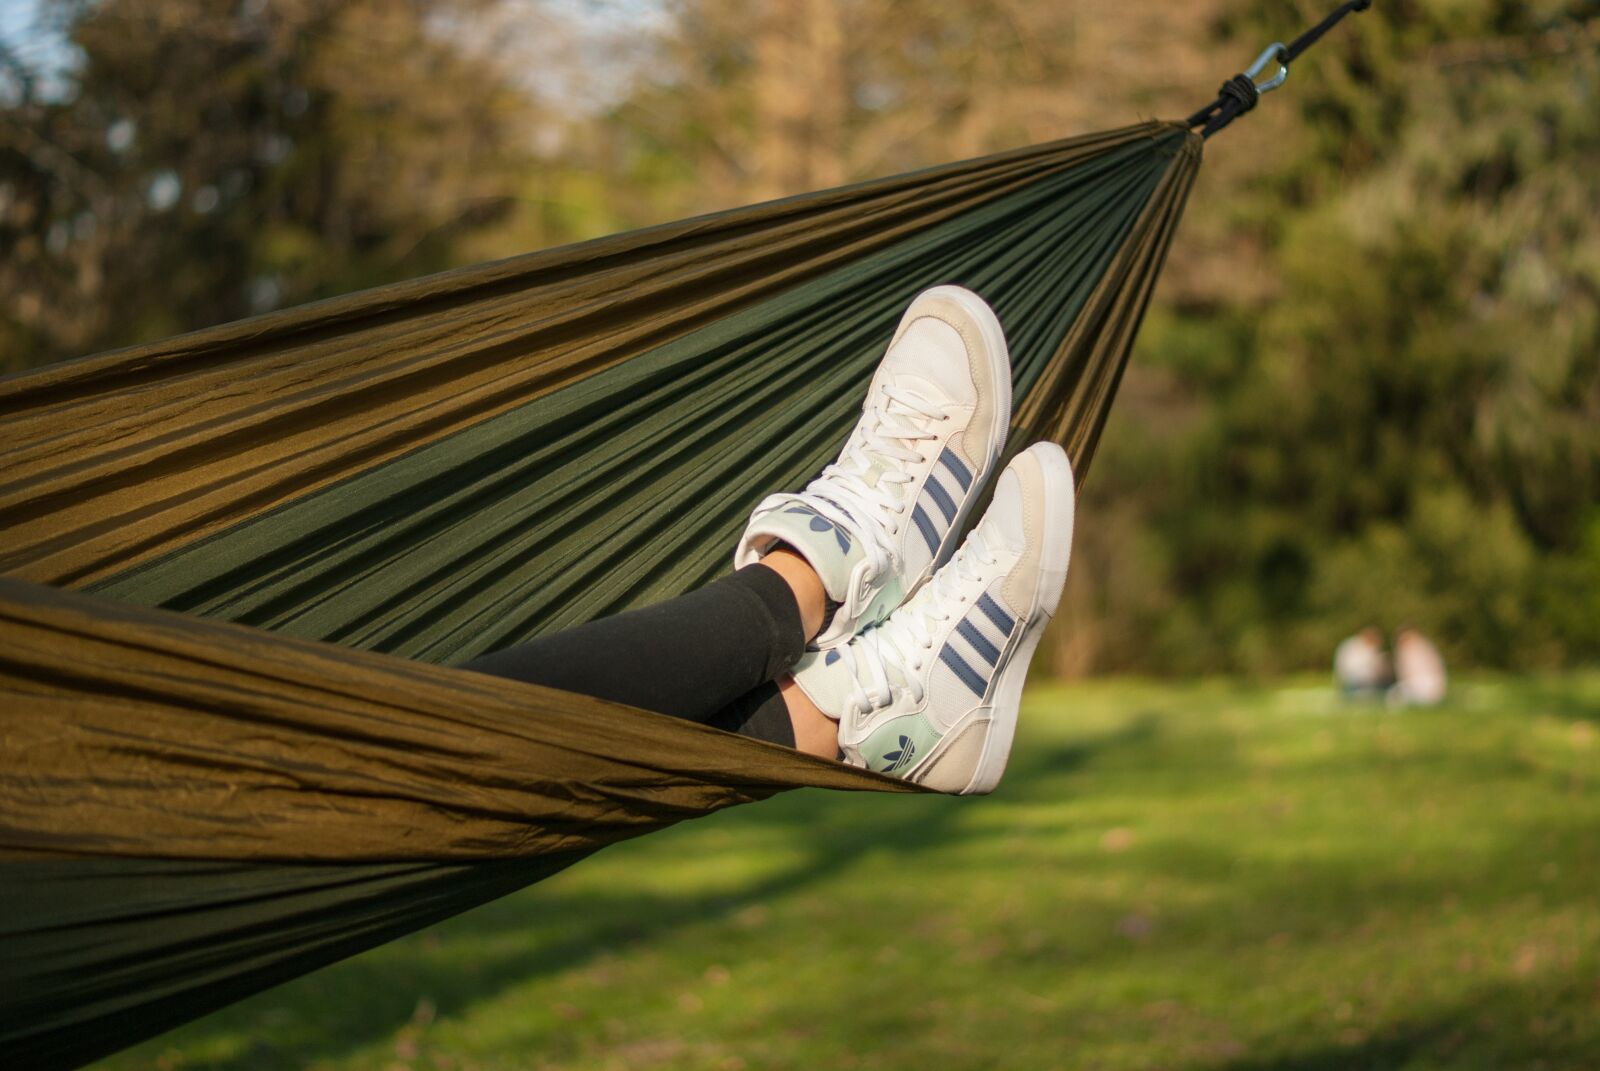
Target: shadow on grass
{"type": "Point", "coordinates": [348, 1005]}
{"type": "Point", "coordinates": [1236, 899]}
{"type": "Point", "coordinates": [1498, 1029]}
{"type": "Point", "coordinates": [1563, 699]}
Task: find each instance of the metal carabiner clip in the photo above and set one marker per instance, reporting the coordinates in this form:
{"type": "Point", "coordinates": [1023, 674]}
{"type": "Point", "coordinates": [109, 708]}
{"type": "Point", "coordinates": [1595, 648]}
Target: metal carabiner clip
{"type": "Point", "coordinates": [1275, 53]}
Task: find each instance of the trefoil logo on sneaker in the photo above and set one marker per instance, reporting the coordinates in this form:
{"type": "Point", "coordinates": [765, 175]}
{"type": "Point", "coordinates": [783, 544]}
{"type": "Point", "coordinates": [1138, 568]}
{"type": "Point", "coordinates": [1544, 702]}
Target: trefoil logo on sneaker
{"type": "Point", "coordinates": [822, 524]}
{"type": "Point", "coordinates": [897, 759]}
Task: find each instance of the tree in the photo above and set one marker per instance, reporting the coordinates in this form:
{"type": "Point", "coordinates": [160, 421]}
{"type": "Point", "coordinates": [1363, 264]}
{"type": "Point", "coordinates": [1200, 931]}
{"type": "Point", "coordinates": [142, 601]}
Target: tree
{"type": "Point", "coordinates": [204, 161]}
{"type": "Point", "coordinates": [1401, 426]}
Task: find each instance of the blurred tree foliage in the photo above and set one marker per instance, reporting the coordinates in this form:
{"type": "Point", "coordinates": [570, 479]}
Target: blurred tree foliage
{"type": "Point", "coordinates": [1403, 424]}
{"type": "Point", "coordinates": [206, 161]}
{"type": "Point", "coordinates": [1369, 391]}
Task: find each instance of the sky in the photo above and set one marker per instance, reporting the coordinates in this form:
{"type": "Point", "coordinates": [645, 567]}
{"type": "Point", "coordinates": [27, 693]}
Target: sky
{"type": "Point", "coordinates": [599, 25]}
{"type": "Point", "coordinates": [26, 34]}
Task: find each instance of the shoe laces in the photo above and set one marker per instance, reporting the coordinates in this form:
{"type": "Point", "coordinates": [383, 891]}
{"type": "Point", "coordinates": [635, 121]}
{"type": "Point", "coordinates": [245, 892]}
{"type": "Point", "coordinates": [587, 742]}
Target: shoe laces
{"type": "Point", "coordinates": [890, 657]}
{"type": "Point", "coordinates": [865, 491]}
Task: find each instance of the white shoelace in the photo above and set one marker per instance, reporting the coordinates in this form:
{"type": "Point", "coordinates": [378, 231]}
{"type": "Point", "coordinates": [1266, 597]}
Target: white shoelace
{"type": "Point", "coordinates": [905, 641]}
{"type": "Point", "coordinates": [889, 429]}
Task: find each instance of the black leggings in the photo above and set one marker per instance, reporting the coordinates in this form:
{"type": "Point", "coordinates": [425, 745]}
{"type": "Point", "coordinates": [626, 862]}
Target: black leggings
{"type": "Point", "coordinates": [710, 656]}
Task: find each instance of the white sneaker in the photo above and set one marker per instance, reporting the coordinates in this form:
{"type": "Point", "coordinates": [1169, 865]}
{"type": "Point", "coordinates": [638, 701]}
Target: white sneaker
{"type": "Point", "coordinates": [881, 519]}
{"type": "Point", "coordinates": [931, 695]}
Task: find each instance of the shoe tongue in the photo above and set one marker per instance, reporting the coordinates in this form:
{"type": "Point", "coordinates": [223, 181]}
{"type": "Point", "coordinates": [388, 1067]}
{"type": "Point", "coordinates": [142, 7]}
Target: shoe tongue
{"type": "Point", "coordinates": [832, 551]}
{"type": "Point", "coordinates": [897, 678]}
{"type": "Point", "coordinates": [925, 390]}
{"type": "Point", "coordinates": [874, 470]}
{"type": "Point", "coordinates": [934, 359]}
{"type": "Point", "coordinates": [872, 474]}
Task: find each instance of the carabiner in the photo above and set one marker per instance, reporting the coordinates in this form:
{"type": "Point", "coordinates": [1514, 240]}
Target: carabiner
{"type": "Point", "coordinates": [1275, 53]}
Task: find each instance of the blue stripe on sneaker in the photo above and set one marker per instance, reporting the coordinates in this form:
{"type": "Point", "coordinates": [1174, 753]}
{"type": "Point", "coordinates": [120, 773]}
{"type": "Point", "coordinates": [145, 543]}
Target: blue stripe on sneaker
{"type": "Point", "coordinates": [925, 526]}
{"type": "Point", "coordinates": [964, 672]}
{"type": "Point", "coordinates": [993, 611]}
{"type": "Point", "coordinates": [941, 498]}
{"type": "Point", "coordinates": [986, 650]}
{"type": "Point", "coordinates": [957, 469]}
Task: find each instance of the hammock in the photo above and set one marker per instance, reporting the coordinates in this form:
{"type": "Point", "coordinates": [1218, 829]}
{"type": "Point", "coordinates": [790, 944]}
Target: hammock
{"type": "Point", "coordinates": [238, 565]}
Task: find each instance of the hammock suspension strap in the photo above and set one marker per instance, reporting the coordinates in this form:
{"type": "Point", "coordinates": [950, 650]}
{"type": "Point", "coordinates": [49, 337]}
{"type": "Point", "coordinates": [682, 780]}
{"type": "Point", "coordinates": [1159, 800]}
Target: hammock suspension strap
{"type": "Point", "coordinates": [1242, 92]}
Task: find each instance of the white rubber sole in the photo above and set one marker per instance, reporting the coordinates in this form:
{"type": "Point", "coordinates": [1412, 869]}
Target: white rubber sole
{"type": "Point", "coordinates": [1006, 699]}
{"type": "Point", "coordinates": [998, 365]}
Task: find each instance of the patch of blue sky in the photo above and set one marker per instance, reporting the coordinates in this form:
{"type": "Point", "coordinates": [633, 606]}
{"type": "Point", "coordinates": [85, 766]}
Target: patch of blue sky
{"type": "Point", "coordinates": [36, 48]}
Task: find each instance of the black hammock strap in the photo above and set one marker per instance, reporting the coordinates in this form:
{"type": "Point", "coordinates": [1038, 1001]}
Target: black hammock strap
{"type": "Point", "coordinates": [1242, 92]}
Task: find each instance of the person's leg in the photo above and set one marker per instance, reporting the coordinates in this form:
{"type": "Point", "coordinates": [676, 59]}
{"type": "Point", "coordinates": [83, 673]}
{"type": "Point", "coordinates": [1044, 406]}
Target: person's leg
{"type": "Point", "coordinates": [819, 565]}
{"type": "Point", "coordinates": [779, 712]}
{"type": "Point", "coordinates": [710, 655]}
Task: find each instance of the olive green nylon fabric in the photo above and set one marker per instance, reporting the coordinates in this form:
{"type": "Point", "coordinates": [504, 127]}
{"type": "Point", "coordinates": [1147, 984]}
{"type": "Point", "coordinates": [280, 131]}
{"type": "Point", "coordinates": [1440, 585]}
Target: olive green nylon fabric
{"type": "Point", "coordinates": [115, 459]}
{"type": "Point", "coordinates": [202, 740]}
{"type": "Point", "coordinates": [84, 976]}
{"type": "Point", "coordinates": [192, 811]}
{"type": "Point", "coordinates": [239, 752]}
{"type": "Point", "coordinates": [631, 485]}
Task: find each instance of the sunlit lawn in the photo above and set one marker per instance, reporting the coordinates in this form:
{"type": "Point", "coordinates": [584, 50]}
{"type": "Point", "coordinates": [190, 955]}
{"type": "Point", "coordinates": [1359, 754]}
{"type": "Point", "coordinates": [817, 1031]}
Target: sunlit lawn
{"type": "Point", "coordinates": [1183, 877]}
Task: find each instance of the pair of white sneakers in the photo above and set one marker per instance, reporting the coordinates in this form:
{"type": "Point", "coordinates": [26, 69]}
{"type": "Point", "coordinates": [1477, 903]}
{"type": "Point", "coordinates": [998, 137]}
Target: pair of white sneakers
{"type": "Point", "coordinates": [925, 649]}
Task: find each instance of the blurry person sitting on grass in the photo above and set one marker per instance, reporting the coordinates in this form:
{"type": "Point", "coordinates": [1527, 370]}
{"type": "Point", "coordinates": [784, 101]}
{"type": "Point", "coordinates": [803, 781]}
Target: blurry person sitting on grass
{"type": "Point", "coordinates": [1360, 666]}
{"type": "Point", "coordinates": [1419, 671]}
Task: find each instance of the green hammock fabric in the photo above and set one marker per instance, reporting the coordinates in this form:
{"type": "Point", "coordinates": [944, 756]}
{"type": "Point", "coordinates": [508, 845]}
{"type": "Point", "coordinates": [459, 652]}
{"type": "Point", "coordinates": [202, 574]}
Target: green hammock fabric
{"type": "Point", "coordinates": [237, 565]}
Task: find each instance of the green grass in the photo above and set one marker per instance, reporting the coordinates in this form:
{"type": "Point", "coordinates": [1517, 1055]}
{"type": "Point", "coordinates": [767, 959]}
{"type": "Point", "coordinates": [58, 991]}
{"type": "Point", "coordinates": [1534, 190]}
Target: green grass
{"type": "Point", "coordinates": [1201, 876]}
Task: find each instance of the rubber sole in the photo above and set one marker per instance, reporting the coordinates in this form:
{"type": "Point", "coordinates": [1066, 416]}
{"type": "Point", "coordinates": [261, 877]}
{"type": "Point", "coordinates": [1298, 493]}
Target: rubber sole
{"type": "Point", "coordinates": [1055, 556]}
